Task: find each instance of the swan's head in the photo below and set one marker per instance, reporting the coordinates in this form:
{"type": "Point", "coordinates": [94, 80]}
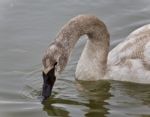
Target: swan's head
{"type": "Point", "coordinates": [54, 61]}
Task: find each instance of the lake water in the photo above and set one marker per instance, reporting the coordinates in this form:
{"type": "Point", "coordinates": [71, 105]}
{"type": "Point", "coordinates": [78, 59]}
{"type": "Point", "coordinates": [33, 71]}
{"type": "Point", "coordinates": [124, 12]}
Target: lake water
{"type": "Point", "coordinates": [26, 29]}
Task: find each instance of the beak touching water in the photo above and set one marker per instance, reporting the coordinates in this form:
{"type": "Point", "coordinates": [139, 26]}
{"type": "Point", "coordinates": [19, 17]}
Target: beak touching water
{"type": "Point", "coordinates": [48, 83]}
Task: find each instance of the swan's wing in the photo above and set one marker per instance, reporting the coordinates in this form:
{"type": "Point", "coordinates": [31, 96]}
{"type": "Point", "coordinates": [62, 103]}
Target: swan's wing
{"type": "Point", "coordinates": [130, 60]}
{"type": "Point", "coordinates": [136, 46]}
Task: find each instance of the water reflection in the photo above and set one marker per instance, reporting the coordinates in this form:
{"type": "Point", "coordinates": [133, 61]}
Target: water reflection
{"type": "Point", "coordinates": [129, 99]}
{"type": "Point", "coordinates": [55, 111]}
{"type": "Point", "coordinates": [138, 92]}
{"type": "Point", "coordinates": [102, 99]}
{"type": "Point", "coordinates": [95, 94]}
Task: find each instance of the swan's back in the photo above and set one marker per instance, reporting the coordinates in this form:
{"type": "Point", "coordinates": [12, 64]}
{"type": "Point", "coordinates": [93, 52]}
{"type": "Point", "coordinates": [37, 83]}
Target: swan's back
{"type": "Point", "coordinates": [130, 60]}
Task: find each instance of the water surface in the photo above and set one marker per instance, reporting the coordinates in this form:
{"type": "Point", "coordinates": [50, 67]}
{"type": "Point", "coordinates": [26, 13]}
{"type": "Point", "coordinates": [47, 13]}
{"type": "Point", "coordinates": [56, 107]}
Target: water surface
{"type": "Point", "coordinates": [26, 29]}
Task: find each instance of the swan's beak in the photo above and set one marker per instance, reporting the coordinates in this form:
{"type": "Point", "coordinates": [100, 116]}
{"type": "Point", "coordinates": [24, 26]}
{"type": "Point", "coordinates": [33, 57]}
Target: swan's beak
{"type": "Point", "coordinates": [48, 83]}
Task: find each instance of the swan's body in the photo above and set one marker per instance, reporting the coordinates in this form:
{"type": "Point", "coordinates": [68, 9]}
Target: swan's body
{"type": "Point", "coordinates": [129, 61]}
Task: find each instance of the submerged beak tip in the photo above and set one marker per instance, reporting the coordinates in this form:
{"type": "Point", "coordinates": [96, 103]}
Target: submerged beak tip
{"type": "Point", "coordinates": [46, 93]}
{"type": "Point", "coordinates": [44, 98]}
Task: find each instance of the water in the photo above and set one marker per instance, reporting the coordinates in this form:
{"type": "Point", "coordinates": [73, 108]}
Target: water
{"type": "Point", "coordinates": [26, 29]}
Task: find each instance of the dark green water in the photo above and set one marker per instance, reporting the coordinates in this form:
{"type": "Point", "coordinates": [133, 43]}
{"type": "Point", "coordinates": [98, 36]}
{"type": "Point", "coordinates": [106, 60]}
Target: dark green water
{"type": "Point", "coordinates": [26, 29]}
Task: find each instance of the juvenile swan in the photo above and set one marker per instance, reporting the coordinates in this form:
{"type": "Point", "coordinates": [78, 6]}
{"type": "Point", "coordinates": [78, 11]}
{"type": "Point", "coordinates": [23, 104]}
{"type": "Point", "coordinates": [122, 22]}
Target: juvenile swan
{"type": "Point", "coordinates": [129, 61]}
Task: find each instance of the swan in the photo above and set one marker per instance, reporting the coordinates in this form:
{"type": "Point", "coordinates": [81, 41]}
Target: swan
{"type": "Point", "coordinates": [129, 61]}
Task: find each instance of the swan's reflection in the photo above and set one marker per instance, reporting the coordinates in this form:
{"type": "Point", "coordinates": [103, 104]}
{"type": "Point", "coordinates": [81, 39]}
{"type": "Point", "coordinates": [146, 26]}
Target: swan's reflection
{"type": "Point", "coordinates": [101, 99]}
{"type": "Point", "coordinates": [129, 99]}
{"type": "Point", "coordinates": [94, 94]}
{"type": "Point", "coordinates": [55, 111]}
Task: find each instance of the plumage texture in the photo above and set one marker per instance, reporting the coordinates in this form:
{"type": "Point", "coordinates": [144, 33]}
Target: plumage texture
{"type": "Point", "coordinates": [129, 61]}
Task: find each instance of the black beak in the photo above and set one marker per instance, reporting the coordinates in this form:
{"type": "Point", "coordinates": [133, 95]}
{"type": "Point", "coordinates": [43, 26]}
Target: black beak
{"type": "Point", "coordinates": [48, 83]}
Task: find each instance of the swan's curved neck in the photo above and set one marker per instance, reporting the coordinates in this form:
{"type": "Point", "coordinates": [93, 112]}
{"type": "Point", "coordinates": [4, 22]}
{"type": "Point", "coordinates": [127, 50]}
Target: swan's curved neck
{"type": "Point", "coordinates": [94, 55]}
